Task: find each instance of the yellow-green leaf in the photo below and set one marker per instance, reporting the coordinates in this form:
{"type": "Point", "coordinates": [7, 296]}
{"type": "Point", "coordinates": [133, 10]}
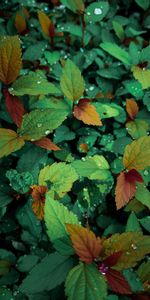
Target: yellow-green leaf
{"type": "Point", "coordinates": [137, 154]}
{"type": "Point", "coordinates": [137, 128]}
{"type": "Point", "coordinates": [9, 142]}
{"type": "Point", "coordinates": [10, 58]}
{"type": "Point", "coordinates": [142, 75]}
{"type": "Point", "coordinates": [45, 22]}
{"type": "Point", "coordinates": [72, 82]}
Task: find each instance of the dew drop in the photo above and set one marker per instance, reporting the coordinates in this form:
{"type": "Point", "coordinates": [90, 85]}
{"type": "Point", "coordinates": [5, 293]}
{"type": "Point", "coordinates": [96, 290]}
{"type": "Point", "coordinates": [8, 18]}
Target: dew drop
{"type": "Point", "coordinates": [133, 246]}
{"type": "Point", "coordinates": [39, 125]}
{"type": "Point", "coordinates": [88, 13]}
{"type": "Point", "coordinates": [97, 11]}
{"type": "Point", "coordinates": [38, 82]}
{"type": "Point", "coordinates": [47, 131]}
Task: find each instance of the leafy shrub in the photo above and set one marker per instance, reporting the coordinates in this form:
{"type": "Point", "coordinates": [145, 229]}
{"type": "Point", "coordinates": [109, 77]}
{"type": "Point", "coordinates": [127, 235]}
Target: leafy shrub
{"type": "Point", "coordinates": [74, 150]}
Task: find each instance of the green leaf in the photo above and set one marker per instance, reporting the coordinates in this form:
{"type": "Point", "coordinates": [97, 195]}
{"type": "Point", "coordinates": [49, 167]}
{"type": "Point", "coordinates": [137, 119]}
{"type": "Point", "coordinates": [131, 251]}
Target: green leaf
{"type": "Point", "coordinates": [56, 216]}
{"type": "Point", "coordinates": [142, 75]}
{"type": "Point", "coordinates": [4, 267]}
{"type": "Point", "coordinates": [34, 52]}
{"type": "Point", "coordinates": [5, 293]}
{"type": "Point", "coordinates": [20, 182]}
{"type": "Point", "coordinates": [9, 142]}
{"type": "Point", "coordinates": [133, 223]}
{"type": "Point", "coordinates": [27, 262]}
{"type": "Point", "coordinates": [143, 195]}
{"type": "Point", "coordinates": [144, 271]}
{"type": "Point", "coordinates": [60, 175]}
{"type": "Point", "coordinates": [118, 28]}
{"type": "Point", "coordinates": [133, 280]}
{"type": "Point", "coordinates": [143, 3]}
{"type": "Point", "coordinates": [95, 167]}
{"type": "Point", "coordinates": [39, 123]}
{"type": "Point", "coordinates": [137, 128]}
{"type": "Point", "coordinates": [74, 5]}
{"type": "Point", "coordinates": [33, 84]}
{"type": "Point", "coordinates": [107, 110]}
{"type": "Point", "coordinates": [145, 222]}
{"type": "Point", "coordinates": [84, 282]}
{"type": "Point", "coordinates": [116, 51]}
{"type": "Point", "coordinates": [96, 11]}
{"type": "Point", "coordinates": [134, 88]}
{"type": "Point", "coordinates": [72, 82]}
{"type": "Point", "coordinates": [49, 273]}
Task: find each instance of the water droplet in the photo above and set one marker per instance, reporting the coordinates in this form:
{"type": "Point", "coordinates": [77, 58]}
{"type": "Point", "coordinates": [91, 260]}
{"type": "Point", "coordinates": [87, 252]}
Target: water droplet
{"type": "Point", "coordinates": [145, 172]}
{"type": "Point", "coordinates": [91, 88]}
{"type": "Point", "coordinates": [47, 131]}
{"type": "Point", "coordinates": [133, 246]}
{"type": "Point", "coordinates": [38, 82]}
{"type": "Point", "coordinates": [97, 11]}
{"type": "Point", "coordinates": [88, 13]}
{"type": "Point", "coordinates": [39, 125]}
{"type": "Point", "coordinates": [32, 140]}
{"type": "Point", "coordinates": [83, 158]}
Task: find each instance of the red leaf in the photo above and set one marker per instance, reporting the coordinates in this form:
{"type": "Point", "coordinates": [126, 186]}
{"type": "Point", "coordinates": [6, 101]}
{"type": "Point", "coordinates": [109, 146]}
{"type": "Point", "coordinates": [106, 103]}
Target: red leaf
{"type": "Point", "coordinates": [117, 282]}
{"type": "Point", "coordinates": [140, 297]}
{"type": "Point", "coordinates": [46, 144]}
{"type": "Point", "coordinates": [132, 108]}
{"type": "Point", "coordinates": [113, 259]}
{"type": "Point", "coordinates": [51, 30]}
{"type": "Point", "coordinates": [87, 113]}
{"type": "Point", "coordinates": [126, 187]}
{"type": "Point", "coordinates": [14, 107]}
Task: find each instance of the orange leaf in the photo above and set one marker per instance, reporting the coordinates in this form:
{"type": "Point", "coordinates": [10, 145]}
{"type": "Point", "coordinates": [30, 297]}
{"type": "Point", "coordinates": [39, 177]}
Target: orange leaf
{"type": "Point", "coordinates": [10, 58]}
{"type": "Point", "coordinates": [38, 195]}
{"type": "Point", "coordinates": [15, 107]}
{"type": "Point", "coordinates": [126, 187]}
{"type": "Point", "coordinates": [20, 23]}
{"type": "Point", "coordinates": [46, 144]}
{"type": "Point", "coordinates": [87, 113]}
{"type": "Point", "coordinates": [132, 108]}
{"type": "Point", "coordinates": [84, 147]}
{"type": "Point", "coordinates": [9, 142]}
{"type": "Point", "coordinates": [26, 12]}
{"type": "Point", "coordinates": [45, 23]}
{"type": "Point", "coordinates": [87, 246]}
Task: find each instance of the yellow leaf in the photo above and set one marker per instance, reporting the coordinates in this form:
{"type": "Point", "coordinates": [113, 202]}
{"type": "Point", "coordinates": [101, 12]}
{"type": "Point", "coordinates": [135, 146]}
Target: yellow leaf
{"type": "Point", "coordinates": [10, 58]}
{"type": "Point", "coordinates": [87, 246]}
{"type": "Point", "coordinates": [137, 154]}
{"type": "Point", "coordinates": [45, 22]}
{"type": "Point", "coordinates": [9, 142]}
{"type": "Point", "coordinates": [87, 113]}
{"type": "Point", "coordinates": [142, 75]}
{"type": "Point", "coordinates": [20, 23]}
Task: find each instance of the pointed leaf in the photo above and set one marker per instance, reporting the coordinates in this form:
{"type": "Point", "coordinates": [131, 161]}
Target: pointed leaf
{"type": "Point", "coordinates": [143, 195]}
{"type": "Point", "coordinates": [118, 283]}
{"type": "Point", "coordinates": [45, 276]}
{"type": "Point", "coordinates": [38, 194]}
{"type": "Point", "coordinates": [33, 84]}
{"type": "Point", "coordinates": [45, 22]}
{"type": "Point", "coordinates": [10, 58]}
{"type": "Point", "coordinates": [84, 282]}
{"type": "Point", "coordinates": [72, 82]}
{"type": "Point", "coordinates": [137, 128]}
{"type": "Point", "coordinates": [9, 142]}
{"type": "Point", "coordinates": [85, 243]}
{"type": "Point", "coordinates": [20, 23]}
{"type": "Point", "coordinates": [132, 108]}
{"type": "Point", "coordinates": [15, 107]}
{"type": "Point", "coordinates": [56, 216]}
{"type": "Point", "coordinates": [96, 11]}
{"type": "Point", "coordinates": [87, 113]}
{"type": "Point", "coordinates": [117, 52]}
{"type": "Point", "coordinates": [137, 154]}
{"type": "Point", "coordinates": [47, 144]}
{"type": "Point", "coordinates": [126, 187]}
{"type": "Point", "coordinates": [39, 123]}
{"type": "Point", "coordinates": [75, 5]}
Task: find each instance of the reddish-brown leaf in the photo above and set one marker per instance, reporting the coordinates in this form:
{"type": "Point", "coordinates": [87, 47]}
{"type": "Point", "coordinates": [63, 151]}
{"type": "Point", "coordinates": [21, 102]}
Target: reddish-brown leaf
{"type": "Point", "coordinates": [14, 107]}
{"type": "Point", "coordinates": [126, 187]}
{"type": "Point", "coordinates": [87, 113]}
{"type": "Point", "coordinates": [87, 246]}
{"type": "Point", "coordinates": [46, 144]}
{"type": "Point", "coordinates": [132, 108]}
{"type": "Point", "coordinates": [113, 259]}
{"type": "Point", "coordinates": [84, 147]}
{"type": "Point", "coordinates": [20, 23]}
{"type": "Point", "coordinates": [38, 195]}
{"type": "Point", "coordinates": [140, 297]}
{"type": "Point", "coordinates": [117, 282]}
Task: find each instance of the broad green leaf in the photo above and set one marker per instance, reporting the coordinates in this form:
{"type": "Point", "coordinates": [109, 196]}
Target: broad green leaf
{"type": "Point", "coordinates": [144, 271]}
{"type": "Point", "coordinates": [117, 52]}
{"type": "Point", "coordinates": [27, 262]}
{"type": "Point", "coordinates": [142, 75]}
{"type": "Point", "coordinates": [143, 3]}
{"type": "Point", "coordinates": [107, 110]}
{"type": "Point", "coordinates": [95, 167]}
{"type": "Point", "coordinates": [9, 142]}
{"type": "Point", "coordinates": [5, 293]}
{"type": "Point", "coordinates": [40, 122]}
{"type": "Point", "coordinates": [137, 128]}
{"type": "Point", "coordinates": [72, 82]}
{"type": "Point", "coordinates": [49, 273]}
{"type": "Point", "coordinates": [134, 247]}
{"type": "Point", "coordinates": [56, 217]}
{"type": "Point", "coordinates": [96, 11]}
{"type": "Point", "coordinates": [84, 282]}
{"type": "Point", "coordinates": [61, 176]}
{"type": "Point", "coordinates": [34, 52]}
{"type": "Point", "coordinates": [137, 154]}
{"type": "Point", "coordinates": [143, 195]}
{"type": "Point", "coordinates": [134, 87]}
{"type": "Point", "coordinates": [4, 267]}
{"type": "Point", "coordinates": [74, 5]}
{"type": "Point", "coordinates": [133, 280]}
{"type": "Point", "coordinates": [33, 84]}
{"type": "Point", "coordinates": [133, 223]}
